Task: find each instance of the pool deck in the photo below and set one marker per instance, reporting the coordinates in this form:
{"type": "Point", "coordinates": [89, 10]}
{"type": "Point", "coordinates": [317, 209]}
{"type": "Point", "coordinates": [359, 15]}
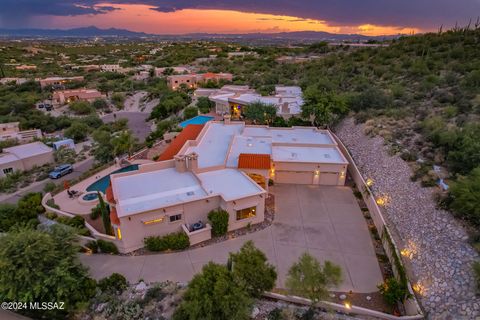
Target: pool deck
{"type": "Point", "coordinates": [76, 205]}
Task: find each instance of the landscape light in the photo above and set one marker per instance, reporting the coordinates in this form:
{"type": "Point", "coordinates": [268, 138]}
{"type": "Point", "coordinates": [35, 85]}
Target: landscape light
{"type": "Point", "coordinates": [369, 182]}
{"type": "Point", "coordinates": [347, 305]}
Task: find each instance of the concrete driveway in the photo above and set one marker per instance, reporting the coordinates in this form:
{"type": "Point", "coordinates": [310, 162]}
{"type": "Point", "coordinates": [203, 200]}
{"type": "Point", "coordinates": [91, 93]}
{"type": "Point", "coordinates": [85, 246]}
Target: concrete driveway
{"type": "Point", "coordinates": [325, 221]}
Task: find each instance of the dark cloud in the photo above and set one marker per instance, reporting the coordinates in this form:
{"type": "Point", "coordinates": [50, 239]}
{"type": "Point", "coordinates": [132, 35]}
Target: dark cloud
{"type": "Point", "coordinates": [417, 13]}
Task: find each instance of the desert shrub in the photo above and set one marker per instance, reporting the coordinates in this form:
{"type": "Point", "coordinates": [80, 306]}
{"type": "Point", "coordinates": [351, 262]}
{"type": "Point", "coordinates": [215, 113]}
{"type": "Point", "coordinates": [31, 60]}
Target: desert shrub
{"type": "Point", "coordinates": [107, 246]}
{"type": "Point", "coordinates": [92, 245]}
{"type": "Point", "coordinates": [190, 112]}
{"type": "Point", "coordinates": [476, 271]}
{"type": "Point", "coordinates": [219, 220]}
{"type": "Point", "coordinates": [115, 283]}
{"type": "Point", "coordinates": [171, 241]}
{"type": "Point", "coordinates": [49, 187]}
{"type": "Point", "coordinates": [393, 291]}
{"type": "Point", "coordinates": [51, 215]}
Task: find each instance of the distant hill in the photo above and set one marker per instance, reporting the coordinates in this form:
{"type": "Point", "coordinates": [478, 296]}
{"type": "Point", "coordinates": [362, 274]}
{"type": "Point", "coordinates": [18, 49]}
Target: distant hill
{"type": "Point", "coordinates": [87, 32]}
{"type": "Point", "coordinates": [76, 32]}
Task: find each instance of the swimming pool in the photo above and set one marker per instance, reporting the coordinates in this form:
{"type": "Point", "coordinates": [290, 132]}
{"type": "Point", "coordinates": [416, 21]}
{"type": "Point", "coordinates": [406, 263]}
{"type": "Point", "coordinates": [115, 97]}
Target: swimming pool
{"type": "Point", "coordinates": [103, 183]}
{"type": "Point", "coordinates": [196, 120]}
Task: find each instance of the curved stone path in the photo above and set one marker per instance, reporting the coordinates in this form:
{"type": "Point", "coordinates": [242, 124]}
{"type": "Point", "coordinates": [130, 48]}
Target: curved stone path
{"type": "Point", "coordinates": [441, 256]}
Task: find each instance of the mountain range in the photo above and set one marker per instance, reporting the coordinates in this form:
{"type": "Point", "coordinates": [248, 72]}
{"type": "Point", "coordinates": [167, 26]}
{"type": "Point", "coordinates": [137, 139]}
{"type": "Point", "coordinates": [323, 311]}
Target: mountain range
{"type": "Point", "coordinates": [87, 32]}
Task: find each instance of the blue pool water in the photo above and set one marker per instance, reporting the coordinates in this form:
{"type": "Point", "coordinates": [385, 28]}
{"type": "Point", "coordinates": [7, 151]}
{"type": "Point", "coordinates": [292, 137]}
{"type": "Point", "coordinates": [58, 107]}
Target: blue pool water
{"type": "Point", "coordinates": [103, 183]}
{"type": "Point", "coordinates": [90, 196]}
{"type": "Point", "coordinates": [196, 120]}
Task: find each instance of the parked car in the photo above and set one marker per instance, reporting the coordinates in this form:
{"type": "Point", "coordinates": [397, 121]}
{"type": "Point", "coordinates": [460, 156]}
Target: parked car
{"type": "Point", "coordinates": [60, 171]}
{"type": "Point", "coordinates": [48, 107]}
{"type": "Point", "coordinates": [41, 105]}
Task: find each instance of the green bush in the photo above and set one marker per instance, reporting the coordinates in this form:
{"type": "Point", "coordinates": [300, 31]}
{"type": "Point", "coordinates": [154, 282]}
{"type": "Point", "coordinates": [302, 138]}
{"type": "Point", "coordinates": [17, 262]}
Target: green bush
{"type": "Point", "coordinates": [171, 241]}
{"type": "Point", "coordinates": [51, 215]}
{"type": "Point", "coordinates": [219, 221]}
{"type": "Point", "coordinates": [393, 291]}
{"type": "Point", "coordinates": [49, 187]}
{"type": "Point", "coordinates": [92, 245]}
{"type": "Point", "coordinates": [190, 112]}
{"type": "Point", "coordinates": [115, 283]}
{"type": "Point", "coordinates": [107, 246]}
{"type": "Point", "coordinates": [95, 213]}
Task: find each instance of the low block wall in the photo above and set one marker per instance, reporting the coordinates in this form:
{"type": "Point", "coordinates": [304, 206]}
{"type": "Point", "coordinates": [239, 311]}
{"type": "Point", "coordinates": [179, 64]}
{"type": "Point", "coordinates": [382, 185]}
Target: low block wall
{"type": "Point", "coordinates": [389, 241]}
{"type": "Point", "coordinates": [198, 236]}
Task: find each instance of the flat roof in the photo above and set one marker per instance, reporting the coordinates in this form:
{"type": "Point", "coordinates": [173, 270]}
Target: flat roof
{"type": "Point", "coordinates": [156, 189]}
{"type": "Point", "coordinates": [28, 150]}
{"type": "Point", "coordinates": [213, 147]}
{"type": "Point", "coordinates": [295, 135]}
{"type": "Point", "coordinates": [245, 144]}
{"type": "Point", "coordinates": [6, 158]}
{"type": "Point", "coordinates": [231, 184]}
{"type": "Point", "coordinates": [307, 154]}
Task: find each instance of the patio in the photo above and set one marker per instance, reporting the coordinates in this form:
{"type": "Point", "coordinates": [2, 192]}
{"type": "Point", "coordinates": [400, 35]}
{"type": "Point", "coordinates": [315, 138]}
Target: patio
{"type": "Point", "coordinates": [77, 205]}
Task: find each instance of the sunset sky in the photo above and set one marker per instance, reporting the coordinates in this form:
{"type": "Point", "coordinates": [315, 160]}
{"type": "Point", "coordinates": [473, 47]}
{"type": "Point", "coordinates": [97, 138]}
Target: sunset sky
{"type": "Point", "coordinates": [369, 17]}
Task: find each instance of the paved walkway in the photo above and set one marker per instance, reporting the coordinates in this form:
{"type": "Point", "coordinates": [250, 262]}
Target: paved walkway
{"type": "Point", "coordinates": [442, 257]}
{"type": "Point", "coordinates": [325, 221]}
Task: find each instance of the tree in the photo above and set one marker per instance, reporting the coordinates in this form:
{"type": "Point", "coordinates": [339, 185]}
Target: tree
{"type": "Point", "coordinates": [260, 113]}
{"type": "Point", "coordinates": [24, 214]}
{"type": "Point", "coordinates": [123, 142]}
{"type": "Point", "coordinates": [204, 104]}
{"type": "Point", "coordinates": [103, 149]}
{"type": "Point", "coordinates": [323, 108]}
{"type": "Point", "coordinates": [214, 295]}
{"type": "Point", "coordinates": [78, 131]}
{"type": "Point", "coordinates": [100, 104]}
{"type": "Point", "coordinates": [43, 267]}
{"type": "Point", "coordinates": [251, 270]}
{"type": "Point", "coordinates": [107, 225]}
{"type": "Point", "coordinates": [81, 107]}
{"type": "Point", "coordinates": [465, 194]}
{"type": "Point", "coordinates": [118, 99]}
{"type": "Point", "coordinates": [190, 112]}
{"type": "Point", "coordinates": [219, 219]}
{"type": "Point", "coordinates": [64, 155]}
{"type": "Point", "coordinates": [309, 279]}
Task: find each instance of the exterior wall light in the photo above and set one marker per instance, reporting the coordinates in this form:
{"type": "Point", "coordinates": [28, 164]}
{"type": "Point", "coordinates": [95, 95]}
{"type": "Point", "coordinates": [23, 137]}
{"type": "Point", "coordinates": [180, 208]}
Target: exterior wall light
{"type": "Point", "coordinates": [369, 182]}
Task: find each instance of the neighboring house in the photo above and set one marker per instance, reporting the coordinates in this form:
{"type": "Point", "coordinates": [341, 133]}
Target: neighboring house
{"type": "Point", "coordinates": [62, 97]}
{"type": "Point", "coordinates": [11, 131]}
{"type": "Point", "coordinates": [59, 81]}
{"type": "Point", "coordinates": [287, 100]}
{"type": "Point", "coordinates": [193, 80]}
{"type": "Point", "coordinates": [242, 54]}
{"type": "Point", "coordinates": [87, 68]}
{"type": "Point", "coordinates": [177, 70]}
{"type": "Point", "coordinates": [111, 68]}
{"type": "Point", "coordinates": [24, 157]}
{"type": "Point", "coordinates": [25, 67]}
{"type": "Point", "coordinates": [13, 80]}
{"type": "Point", "coordinates": [223, 165]}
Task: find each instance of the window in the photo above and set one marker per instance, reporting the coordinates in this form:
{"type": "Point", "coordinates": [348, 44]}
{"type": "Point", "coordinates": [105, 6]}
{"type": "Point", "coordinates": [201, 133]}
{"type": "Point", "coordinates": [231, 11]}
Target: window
{"type": "Point", "coordinates": [7, 170]}
{"type": "Point", "coordinates": [246, 213]}
{"type": "Point", "coordinates": [176, 217]}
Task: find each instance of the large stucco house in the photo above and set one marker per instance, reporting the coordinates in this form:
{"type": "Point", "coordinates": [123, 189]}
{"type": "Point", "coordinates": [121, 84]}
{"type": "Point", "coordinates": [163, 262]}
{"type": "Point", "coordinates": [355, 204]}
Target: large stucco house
{"type": "Point", "coordinates": [223, 165]}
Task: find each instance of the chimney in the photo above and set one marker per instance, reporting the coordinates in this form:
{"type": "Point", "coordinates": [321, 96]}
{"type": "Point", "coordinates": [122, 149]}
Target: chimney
{"type": "Point", "coordinates": [180, 163]}
{"type": "Point", "coordinates": [227, 118]}
{"type": "Point", "coordinates": [192, 162]}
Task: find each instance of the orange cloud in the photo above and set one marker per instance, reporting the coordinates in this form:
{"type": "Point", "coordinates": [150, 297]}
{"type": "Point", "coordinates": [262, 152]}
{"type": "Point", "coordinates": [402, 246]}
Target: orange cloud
{"type": "Point", "coordinates": [143, 18]}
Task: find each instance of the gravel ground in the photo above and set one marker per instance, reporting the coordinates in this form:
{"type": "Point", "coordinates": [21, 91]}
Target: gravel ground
{"type": "Point", "coordinates": [441, 256]}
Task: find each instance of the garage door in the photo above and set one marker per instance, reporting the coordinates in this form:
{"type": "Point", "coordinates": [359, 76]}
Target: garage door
{"type": "Point", "coordinates": [295, 177]}
{"type": "Point", "coordinates": [328, 178]}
